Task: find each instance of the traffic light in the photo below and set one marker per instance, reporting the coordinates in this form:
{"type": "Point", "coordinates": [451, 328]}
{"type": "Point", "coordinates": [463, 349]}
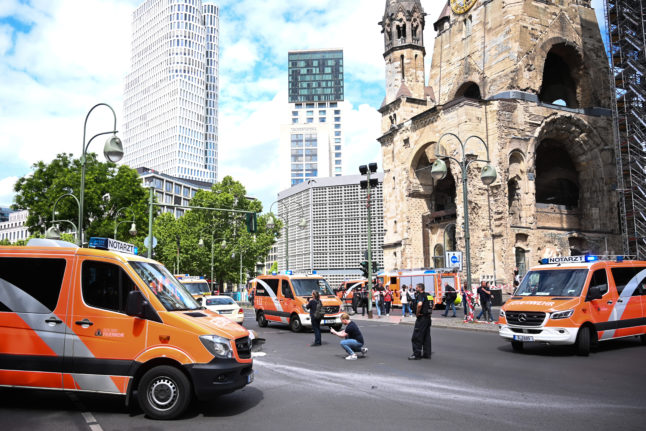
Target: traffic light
{"type": "Point", "coordinates": [374, 267]}
{"type": "Point", "coordinates": [252, 223]}
{"type": "Point", "coordinates": [364, 268]}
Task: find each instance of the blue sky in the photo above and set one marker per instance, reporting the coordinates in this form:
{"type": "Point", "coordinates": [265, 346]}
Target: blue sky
{"type": "Point", "coordinates": [58, 58]}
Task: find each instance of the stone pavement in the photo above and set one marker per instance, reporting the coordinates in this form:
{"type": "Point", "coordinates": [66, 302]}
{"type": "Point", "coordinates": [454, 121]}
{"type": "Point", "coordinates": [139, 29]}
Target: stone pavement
{"type": "Point", "coordinates": [439, 321]}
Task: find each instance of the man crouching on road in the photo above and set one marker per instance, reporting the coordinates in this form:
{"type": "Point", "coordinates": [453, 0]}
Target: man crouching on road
{"type": "Point", "coordinates": [422, 333]}
{"type": "Point", "coordinates": [353, 342]}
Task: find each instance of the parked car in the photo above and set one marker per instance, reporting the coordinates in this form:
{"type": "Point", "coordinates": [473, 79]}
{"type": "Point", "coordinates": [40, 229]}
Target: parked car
{"type": "Point", "coordinates": [226, 306]}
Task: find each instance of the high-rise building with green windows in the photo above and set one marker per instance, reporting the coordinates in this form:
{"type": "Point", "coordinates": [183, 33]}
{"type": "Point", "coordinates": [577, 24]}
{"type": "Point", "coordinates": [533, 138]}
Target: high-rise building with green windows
{"type": "Point", "coordinates": [315, 133]}
{"type": "Point", "coordinates": [315, 76]}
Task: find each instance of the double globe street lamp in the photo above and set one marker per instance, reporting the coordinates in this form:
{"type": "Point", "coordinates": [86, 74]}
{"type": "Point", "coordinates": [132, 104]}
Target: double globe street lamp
{"type": "Point", "coordinates": [133, 227]}
{"type": "Point", "coordinates": [112, 150]}
{"type": "Point", "coordinates": [53, 232]}
{"type": "Point", "coordinates": [488, 175]}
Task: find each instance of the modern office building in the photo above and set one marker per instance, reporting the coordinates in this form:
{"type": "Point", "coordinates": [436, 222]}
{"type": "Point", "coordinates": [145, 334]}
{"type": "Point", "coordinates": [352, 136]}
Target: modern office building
{"type": "Point", "coordinates": [15, 228]}
{"type": "Point", "coordinates": [171, 92]}
{"type": "Point", "coordinates": [335, 236]}
{"type": "Point", "coordinates": [4, 213]}
{"type": "Point", "coordinates": [171, 190]}
{"type": "Point", "coordinates": [314, 134]}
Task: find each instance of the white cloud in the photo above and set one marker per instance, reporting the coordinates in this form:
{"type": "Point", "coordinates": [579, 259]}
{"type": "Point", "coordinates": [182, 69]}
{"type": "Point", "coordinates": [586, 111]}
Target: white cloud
{"type": "Point", "coordinates": [6, 190]}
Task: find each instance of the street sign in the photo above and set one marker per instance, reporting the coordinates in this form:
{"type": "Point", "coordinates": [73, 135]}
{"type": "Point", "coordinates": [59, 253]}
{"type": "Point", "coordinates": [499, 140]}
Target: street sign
{"type": "Point", "coordinates": [146, 242]}
{"type": "Point", "coordinates": [454, 259]}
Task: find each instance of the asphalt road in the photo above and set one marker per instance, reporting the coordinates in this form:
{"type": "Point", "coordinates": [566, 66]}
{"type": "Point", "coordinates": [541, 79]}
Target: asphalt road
{"type": "Point", "coordinates": [473, 381]}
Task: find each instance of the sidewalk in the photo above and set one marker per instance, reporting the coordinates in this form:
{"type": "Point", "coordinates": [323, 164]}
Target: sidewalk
{"type": "Point", "coordinates": [438, 321]}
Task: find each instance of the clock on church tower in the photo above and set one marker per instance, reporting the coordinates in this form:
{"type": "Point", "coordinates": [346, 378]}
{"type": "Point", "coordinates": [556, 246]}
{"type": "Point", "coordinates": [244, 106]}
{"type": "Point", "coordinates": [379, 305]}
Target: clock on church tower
{"type": "Point", "coordinates": [462, 6]}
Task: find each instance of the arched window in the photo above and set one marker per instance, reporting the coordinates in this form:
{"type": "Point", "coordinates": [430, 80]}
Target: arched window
{"type": "Point", "coordinates": [469, 90]}
{"type": "Point", "coordinates": [556, 176]}
{"type": "Point", "coordinates": [438, 256]}
{"type": "Point", "coordinates": [559, 86]}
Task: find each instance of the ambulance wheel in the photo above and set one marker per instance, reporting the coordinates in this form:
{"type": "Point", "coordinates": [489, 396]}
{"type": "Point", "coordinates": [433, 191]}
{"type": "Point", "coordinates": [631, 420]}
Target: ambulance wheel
{"type": "Point", "coordinates": [517, 346]}
{"type": "Point", "coordinates": [261, 319]}
{"type": "Point", "coordinates": [164, 392]}
{"type": "Point", "coordinates": [295, 324]}
{"type": "Point", "coordinates": [337, 327]}
{"type": "Point", "coordinates": [583, 341]}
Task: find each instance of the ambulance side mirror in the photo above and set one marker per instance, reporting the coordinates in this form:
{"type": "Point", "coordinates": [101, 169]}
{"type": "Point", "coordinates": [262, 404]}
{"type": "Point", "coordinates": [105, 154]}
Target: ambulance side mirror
{"type": "Point", "coordinates": [594, 292]}
{"type": "Point", "coordinates": [136, 304]}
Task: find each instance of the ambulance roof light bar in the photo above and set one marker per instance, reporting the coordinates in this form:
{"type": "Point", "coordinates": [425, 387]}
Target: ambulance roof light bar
{"type": "Point", "coordinates": [112, 245]}
{"type": "Point", "coordinates": [580, 259]}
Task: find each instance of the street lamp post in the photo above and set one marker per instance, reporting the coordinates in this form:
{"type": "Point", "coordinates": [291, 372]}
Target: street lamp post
{"type": "Point", "coordinates": [368, 183]}
{"type": "Point", "coordinates": [52, 232]}
{"type": "Point", "coordinates": [271, 223]}
{"type": "Point", "coordinates": [112, 150]}
{"type": "Point", "coordinates": [222, 245]}
{"type": "Point", "coordinates": [133, 226]}
{"type": "Point", "coordinates": [488, 175]}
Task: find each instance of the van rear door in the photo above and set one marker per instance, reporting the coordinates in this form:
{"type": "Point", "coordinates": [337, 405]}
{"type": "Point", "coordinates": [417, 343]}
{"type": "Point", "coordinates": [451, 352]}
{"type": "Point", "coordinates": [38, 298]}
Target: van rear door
{"type": "Point", "coordinates": [33, 304]}
{"type": "Point", "coordinates": [630, 282]}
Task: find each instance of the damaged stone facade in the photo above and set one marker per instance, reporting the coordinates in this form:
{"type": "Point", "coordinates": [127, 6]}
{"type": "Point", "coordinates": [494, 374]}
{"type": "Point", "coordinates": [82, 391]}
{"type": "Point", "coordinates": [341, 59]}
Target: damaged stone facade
{"type": "Point", "coordinates": [530, 79]}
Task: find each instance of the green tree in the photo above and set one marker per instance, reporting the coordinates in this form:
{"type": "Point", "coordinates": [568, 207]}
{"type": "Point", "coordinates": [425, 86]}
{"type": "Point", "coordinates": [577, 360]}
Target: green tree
{"type": "Point", "coordinates": [214, 227]}
{"type": "Point", "coordinates": [108, 189]}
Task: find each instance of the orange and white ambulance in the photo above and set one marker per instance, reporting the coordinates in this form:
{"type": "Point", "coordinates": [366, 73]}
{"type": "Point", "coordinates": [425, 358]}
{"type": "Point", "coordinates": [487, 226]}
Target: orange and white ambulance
{"type": "Point", "coordinates": [111, 322]}
{"type": "Point", "coordinates": [577, 300]}
{"type": "Point", "coordinates": [282, 298]}
{"type": "Point", "coordinates": [347, 290]}
{"type": "Point", "coordinates": [434, 281]}
{"type": "Point", "coordinates": [197, 286]}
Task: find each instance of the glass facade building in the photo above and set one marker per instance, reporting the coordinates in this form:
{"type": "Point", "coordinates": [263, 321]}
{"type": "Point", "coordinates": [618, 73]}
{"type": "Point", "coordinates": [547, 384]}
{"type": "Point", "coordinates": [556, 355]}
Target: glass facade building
{"type": "Point", "coordinates": [315, 76]}
{"type": "Point", "coordinates": [315, 132]}
{"type": "Point", "coordinates": [171, 92]}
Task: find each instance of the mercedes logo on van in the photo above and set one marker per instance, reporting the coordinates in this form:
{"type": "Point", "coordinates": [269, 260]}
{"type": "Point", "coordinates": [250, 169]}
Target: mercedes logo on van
{"type": "Point", "coordinates": [522, 317]}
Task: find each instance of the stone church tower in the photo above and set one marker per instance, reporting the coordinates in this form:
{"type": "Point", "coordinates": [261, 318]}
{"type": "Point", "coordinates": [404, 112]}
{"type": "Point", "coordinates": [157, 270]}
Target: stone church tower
{"type": "Point", "coordinates": [523, 84]}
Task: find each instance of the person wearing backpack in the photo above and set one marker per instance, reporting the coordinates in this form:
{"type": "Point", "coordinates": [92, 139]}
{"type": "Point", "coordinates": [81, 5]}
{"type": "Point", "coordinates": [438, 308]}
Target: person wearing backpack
{"type": "Point", "coordinates": [388, 300]}
{"type": "Point", "coordinates": [406, 299]}
{"type": "Point", "coordinates": [315, 307]}
{"type": "Point", "coordinates": [449, 299]}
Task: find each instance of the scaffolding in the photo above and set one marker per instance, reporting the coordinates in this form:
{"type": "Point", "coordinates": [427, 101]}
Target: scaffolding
{"type": "Point", "coordinates": [626, 46]}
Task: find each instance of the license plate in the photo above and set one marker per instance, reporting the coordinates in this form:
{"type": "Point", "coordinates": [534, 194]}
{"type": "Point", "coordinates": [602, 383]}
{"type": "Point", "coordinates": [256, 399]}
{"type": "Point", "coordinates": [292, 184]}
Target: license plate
{"type": "Point", "coordinates": [523, 338]}
{"type": "Point", "coordinates": [250, 378]}
{"type": "Point", "coordinates": [329, 322]}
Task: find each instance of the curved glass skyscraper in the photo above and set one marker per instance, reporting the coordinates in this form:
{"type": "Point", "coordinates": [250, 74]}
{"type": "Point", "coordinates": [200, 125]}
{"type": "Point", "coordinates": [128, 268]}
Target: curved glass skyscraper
{"type": "Point", "coordinates": [171, 92]}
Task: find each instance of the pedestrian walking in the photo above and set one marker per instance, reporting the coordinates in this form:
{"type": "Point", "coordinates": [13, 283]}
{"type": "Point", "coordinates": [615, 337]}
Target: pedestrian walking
{"type": "Point", "coordinates": [388, 300]}
{"type": "Point", "coordinates": [352, 341]}
{"type": "Point", "coordinates": [404, 295]}
{"type": "Point", "coordinates": [378, 300]}
{"type": "Point", "coordinates": [449, 299]}
{"type": "Point", "coordinates": [356, 299]}
{"type": "Point", "coordinates": [312, 307]}
{"type": "Point", "coordinates": [485, 301]}
{"type": "Point", "coordinates": [421, 338]}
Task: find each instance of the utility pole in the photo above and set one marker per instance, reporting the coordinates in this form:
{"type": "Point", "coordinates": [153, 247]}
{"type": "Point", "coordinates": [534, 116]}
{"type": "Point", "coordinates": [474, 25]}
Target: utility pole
{"type": "Point", "coordinates": [367, 184]}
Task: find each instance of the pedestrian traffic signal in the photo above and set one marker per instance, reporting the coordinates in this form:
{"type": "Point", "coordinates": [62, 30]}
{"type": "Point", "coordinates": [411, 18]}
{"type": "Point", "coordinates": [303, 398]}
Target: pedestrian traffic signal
{"type": "Point", "coordinates": [364, 268]}
{"type": "Point", "coordinates": [374, 267]}
{"type": "Point", "coordinates": [252, 223]}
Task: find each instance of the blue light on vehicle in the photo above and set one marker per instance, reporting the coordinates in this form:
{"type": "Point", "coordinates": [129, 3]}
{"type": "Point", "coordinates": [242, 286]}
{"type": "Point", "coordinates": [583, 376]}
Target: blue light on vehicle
{"type": "Point", "coordinates": [314, 272]}
{"type": "Point", "coordinates": [620, 259]}
{"type": "Point", "coordinates": [288, 272]}
{"type": "Point", "coordinates": [544, 261]}
{"type": "Point", "coordinates": [274, 273]}
{"type": "Point", "coordinates": [429, 272]}
{"type": "Point", "coordinates": [591, 258]}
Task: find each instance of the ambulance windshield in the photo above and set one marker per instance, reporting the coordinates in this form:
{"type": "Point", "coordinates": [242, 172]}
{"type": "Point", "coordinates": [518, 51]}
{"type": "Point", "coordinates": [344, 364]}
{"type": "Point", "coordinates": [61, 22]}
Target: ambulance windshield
{"type": "Point", "coordinates": [553, 282]}
{"type": "Point", "coordinates": [197, 287]}
{"type": "Point", "coordinates": [169, 291]}
{"type": "Point", "coordinates": [305, 286]}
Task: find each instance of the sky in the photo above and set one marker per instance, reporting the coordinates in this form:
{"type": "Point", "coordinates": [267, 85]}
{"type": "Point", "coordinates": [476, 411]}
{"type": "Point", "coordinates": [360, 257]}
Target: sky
{"type": "Point", "coordinates": [59, 58]}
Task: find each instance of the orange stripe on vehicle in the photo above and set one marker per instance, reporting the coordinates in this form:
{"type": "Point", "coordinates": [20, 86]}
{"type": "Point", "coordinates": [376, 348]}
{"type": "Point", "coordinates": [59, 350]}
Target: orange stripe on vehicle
{"type": "Point", "coordinates": [29, 378]}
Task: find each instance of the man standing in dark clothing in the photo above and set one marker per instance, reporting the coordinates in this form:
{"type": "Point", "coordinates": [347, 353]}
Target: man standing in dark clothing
{"type": "Point", "coordinates": [485, 301]}
{"type": "Point", "coordinates": [422, 333]}
{"type": "Point", "coordinates": [312, 306]}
